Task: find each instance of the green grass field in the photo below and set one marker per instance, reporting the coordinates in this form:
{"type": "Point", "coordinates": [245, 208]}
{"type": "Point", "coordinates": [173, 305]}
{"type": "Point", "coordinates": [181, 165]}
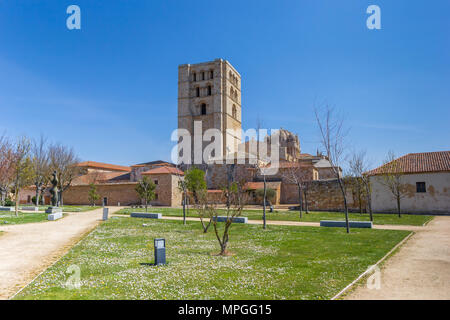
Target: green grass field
{"type": "Point", "coordinates": [7, 217]}
{"type": "Point", "coordinates": [24, 217]}
{"type": "Point", "coordinates": [279, 263]}
{"type": "Point", "coordinates": [414, 220]}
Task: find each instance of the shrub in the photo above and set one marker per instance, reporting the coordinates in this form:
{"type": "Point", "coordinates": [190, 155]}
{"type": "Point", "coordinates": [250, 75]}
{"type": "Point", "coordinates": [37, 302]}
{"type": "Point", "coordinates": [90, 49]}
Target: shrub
{"type": "Point", "coordinates": [9, 203]}
{"type": "Point", "coordinates": [270, 195]}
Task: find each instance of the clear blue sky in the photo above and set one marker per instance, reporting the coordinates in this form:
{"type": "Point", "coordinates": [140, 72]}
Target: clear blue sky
{"type": "Point", "coordinates": [110, 89]}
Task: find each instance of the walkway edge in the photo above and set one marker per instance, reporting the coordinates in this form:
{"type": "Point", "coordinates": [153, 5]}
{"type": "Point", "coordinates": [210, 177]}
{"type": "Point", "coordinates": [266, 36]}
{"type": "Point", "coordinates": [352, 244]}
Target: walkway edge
{"type": "Point", "coordinates": [362, 275]}
{"type": "Point", "coordinates": [69, 247]}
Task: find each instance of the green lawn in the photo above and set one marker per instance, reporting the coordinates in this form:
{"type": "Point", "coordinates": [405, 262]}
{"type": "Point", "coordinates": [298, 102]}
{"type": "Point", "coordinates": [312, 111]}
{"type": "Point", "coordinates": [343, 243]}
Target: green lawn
{"type": "Point", "coordinates": [73, 208]}
{"type": "Point", "coordinates": [414, 220]}
{"type": "Point", "coordinates": [24, 217]}
{"type": "Point", "coordinates": [279, 263]}
{"type": "Point", "coordinates": [7, 217]}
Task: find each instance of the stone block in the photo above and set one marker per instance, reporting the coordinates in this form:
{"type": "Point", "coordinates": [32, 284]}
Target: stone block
{"type": "Point", "coordinates": [147, 215]}
{"type": "Point", "coordinates": [29, 208]}
{"type": "Point", "coordinates": [341, 224]}
{"type": "Point", "coordinates": [235, 220]}
{"type": "Point", "coordinates": [53, 210]}
{"type": "Point", "coordinates": [54, 216]}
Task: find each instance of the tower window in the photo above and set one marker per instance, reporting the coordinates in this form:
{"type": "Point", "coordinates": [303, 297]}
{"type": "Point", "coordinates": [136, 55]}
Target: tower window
{"type": "Point", "coordinates": [203, 75]}
{"type": "Point", "coordinates": [211, 74]}
{"type": "Point", "coordinates": [234, 111]}
{"type": "Point", "coordinates": [203, 109]}
{"type": "Point", "coordinates": [209, 90]}
{"type": "Point", "coordinates": [194, 76]}
{"type": "Point", "coordinates": [197, 92]}
{"type": "Point", "coordinates": [421, 187]}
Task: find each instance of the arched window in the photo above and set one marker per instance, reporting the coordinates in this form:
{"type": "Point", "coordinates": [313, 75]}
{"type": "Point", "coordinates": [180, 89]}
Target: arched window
{"type": "Point", "coordinates": [209, 90]}
{"type": "Point", "coordinates": [231, 92]}
{"type": "Point", "coordinates": [203, 75]}
{"type": "Point", "coordinates": [234, 111]}
{"type": "Point", "coordinates": [197, 92]}
{"type": "Point", "coordinates": [211, 74]}
{"type": "Point", "coordinates": [194, 76]}
{"type": "Point", "coordinates": [203, 109]}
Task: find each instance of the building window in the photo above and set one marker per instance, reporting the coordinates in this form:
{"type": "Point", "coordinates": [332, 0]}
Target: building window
{"type": "Point", "coordinates": [209, 90]}
{"type": "Point", "coordinates": [234, 112]}
{"type": "Point", "coordinates": [203, 75]}
{"type": "Point", "coordinates": [211, 74]}
{"type": "Point", "coordinates": [421, 187]}
{"type": "Point", "coordinates": [156, 182]}
{"type": "Point", "coordinates": [203, 109]}
{"type": "Point", "coordinates": [194, 77]}
{"type": "Point", "coordinates": [197, 92]}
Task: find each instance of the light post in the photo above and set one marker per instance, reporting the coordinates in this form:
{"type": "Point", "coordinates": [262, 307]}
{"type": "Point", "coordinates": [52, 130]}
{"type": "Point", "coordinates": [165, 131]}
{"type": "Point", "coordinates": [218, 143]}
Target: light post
{"type": "Point", "coordinates": [160, 251]}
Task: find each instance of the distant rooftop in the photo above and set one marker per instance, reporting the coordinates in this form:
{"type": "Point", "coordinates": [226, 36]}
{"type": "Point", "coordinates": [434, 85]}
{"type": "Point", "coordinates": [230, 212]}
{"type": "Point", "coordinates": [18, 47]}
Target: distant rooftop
{"type": "Point", "coordinates": [417, 163]}
{"type": "Point", "coordinates": [104, 166]}
{"type": "Point", "coordinates": [151, 163]}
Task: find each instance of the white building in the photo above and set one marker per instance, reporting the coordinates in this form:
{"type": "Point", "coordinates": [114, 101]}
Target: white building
{"type": "Point", "coordinates": [425, 179]}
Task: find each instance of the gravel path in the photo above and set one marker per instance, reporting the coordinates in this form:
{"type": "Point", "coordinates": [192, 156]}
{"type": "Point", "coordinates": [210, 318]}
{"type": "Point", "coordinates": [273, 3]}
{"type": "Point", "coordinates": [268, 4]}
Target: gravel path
{"type": "Point", "coordinates": [419, 270]}
{"type": "Point", "coordinates": [28, 249]}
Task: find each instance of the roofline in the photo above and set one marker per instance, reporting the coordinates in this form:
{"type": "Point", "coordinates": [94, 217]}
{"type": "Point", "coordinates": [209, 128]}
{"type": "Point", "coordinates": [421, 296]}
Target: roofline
{"type": "Point", "coordinates": [405, 173]}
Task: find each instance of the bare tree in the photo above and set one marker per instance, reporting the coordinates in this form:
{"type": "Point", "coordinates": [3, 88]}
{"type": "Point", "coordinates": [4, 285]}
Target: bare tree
{"type": "Point", "coordinates": [64, 161]}
{"type": "Point", "coordinates": [306, 185]}
{"type": "Point", "coordinates": [359, 165]}
{"type": "Point", "coordinates": [6, 167]}
{"type": "Point", "coordinates": [332, 133]}
{"type": "Point", "coordinates": [392, 178]}
{"type": "Point", "coordinates": [41, 165]}
{"type": "Point", "coordinates": [22, 168]}
{"type": "Point", "coordinates": [197, 189]}
{"type": "Point", "coordinates": [237, 197]}
{"type": "Point", "coordinates": [296, 174]}
{"type": "Point", "coordinates": [261, 169]}
{"type": "Point", "coordinates": [183, 189]}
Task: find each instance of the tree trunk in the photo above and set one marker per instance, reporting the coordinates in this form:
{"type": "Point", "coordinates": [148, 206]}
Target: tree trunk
{"type": "Point", "coordinates": [16, 194]}
{"type": "Point", "coordinates": [300, 200]}
{"type": "Point", "coordinates": [146, 205]}
{"type": "Point", "coordinates": [37, 196]}
{"type": "Point", "coordinates": [264, 204]}
{"type": "Point", "coordinates": [398, 206]}
{"type": "Point", "coordinates": [359, 200]}
{"type": "Point", "coordinates": [184, 208]}
{"type": "Point", "coordinates": [3, 196]}
{"type": "Point", "coordinates": [306, 201]}
{"type": "Point", "coordinates": [347, 224]}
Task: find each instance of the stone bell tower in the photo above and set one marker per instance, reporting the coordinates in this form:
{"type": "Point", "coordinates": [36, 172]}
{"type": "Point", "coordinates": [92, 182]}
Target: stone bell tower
{"type": "Point", "coordinates": [210, 92]}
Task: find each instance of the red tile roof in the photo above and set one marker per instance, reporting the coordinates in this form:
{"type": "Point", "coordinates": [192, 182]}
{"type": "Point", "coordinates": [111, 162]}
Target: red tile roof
{"type": "Point", "coordinates": [104, 166]}
{"type": "Point", "coordinates": [100, 178]}
{"type": "Point", "coordinates": [417, 163]}
{"type": "Point", "coordinates": [163, 170]}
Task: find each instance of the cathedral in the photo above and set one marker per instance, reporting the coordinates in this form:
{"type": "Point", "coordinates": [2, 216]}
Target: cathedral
{"type": "Point", "coordinates": [209, 99]}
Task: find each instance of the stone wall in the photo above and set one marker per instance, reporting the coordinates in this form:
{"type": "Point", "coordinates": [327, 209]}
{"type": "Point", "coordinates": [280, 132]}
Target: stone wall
{"type": "Point", "coordinates": [323, 195]}
{"type": "Point", "coordinates": [123, 193]}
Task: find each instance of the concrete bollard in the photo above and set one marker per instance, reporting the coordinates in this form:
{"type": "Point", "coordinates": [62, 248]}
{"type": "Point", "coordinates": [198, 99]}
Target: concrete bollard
{"type": "Point", "coordinates": [105, 214]}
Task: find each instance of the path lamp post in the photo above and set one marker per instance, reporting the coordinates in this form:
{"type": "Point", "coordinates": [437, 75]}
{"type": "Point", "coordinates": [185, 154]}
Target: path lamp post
{"type": "Point", "coordinates": [160, 251]}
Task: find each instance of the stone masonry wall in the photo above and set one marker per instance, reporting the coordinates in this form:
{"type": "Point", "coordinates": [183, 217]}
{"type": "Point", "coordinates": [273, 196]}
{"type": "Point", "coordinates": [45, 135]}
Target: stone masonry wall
{"type": "Point", "coordinates": [323, 195]}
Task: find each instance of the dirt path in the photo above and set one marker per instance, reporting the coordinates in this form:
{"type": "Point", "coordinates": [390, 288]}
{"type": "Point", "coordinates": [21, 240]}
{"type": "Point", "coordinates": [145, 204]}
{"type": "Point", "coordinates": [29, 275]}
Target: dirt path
{"type": "Point", "coordinates": [28, 249]}
{"type": "Point", "coordinates": [419, 270]}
